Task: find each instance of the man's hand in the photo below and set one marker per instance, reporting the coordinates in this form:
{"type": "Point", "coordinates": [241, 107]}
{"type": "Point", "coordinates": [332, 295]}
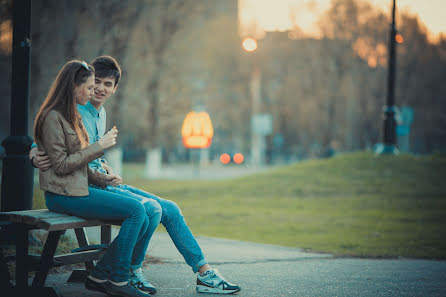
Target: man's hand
{"type": "Point", "coordinates": [113, 180]}
{"type": "Point", "coordinates": [40, 159]}
{"type": "Point", "coordinates": [107, 168]}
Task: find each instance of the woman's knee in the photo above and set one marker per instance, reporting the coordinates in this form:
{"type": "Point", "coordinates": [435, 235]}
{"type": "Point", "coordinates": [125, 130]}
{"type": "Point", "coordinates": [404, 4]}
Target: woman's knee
{"type": "Point", "coordinates": [136, 209]}
{"type": "Point", "coordinates": [145, 225]}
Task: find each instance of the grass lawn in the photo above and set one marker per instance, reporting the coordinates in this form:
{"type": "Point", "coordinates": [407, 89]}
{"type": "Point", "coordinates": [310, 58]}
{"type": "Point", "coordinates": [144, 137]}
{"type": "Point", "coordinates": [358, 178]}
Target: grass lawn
{"type": "Point", "coordinates": [350, 205]}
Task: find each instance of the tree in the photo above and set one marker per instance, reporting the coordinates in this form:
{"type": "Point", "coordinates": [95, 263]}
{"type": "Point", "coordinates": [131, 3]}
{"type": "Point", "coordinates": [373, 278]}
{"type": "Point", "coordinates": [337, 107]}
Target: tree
{"type": "Point", "coordinates": [163, 20]}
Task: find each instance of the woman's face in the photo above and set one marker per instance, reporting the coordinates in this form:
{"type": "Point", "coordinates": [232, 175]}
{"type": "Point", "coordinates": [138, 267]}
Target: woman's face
{"type": "Point", "coordinates": [85, 91]}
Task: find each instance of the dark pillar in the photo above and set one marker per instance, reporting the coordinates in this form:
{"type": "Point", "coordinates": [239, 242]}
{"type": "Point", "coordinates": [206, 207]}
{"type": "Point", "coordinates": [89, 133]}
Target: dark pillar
{"type": "Point", "coordinates": [17, 174]}
{"type": "Point", "coordinates": [390, 109]}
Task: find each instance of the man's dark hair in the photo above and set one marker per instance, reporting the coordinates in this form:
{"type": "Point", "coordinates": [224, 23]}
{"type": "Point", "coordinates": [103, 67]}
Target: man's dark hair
{"type": "Point", "coordinates": [107, 66]}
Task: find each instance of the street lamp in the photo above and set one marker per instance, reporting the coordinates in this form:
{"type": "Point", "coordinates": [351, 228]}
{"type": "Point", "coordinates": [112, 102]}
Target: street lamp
{"type": "Point", "coordinates": [18, 174]}
{"type": "Point", "coordinates": [257, 140]}
{"type": "Point", "coordinates": [390, 109]}
{"type": "Point", "coordinates": [249, 44]}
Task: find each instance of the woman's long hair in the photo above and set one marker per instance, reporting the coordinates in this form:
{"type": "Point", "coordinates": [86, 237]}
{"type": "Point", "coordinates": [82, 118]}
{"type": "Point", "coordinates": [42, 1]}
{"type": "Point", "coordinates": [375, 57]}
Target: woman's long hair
{"type": "Point", "coordinates": [61, 98]}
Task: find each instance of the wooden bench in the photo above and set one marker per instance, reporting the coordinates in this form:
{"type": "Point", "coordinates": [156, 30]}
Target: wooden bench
{"type": "Point", "coordinates": [21, 222]}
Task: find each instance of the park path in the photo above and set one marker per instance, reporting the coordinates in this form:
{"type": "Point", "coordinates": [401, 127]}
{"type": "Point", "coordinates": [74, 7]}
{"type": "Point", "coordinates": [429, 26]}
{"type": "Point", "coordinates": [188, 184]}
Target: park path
{"type": "Point", "coordinates": [270, 270]}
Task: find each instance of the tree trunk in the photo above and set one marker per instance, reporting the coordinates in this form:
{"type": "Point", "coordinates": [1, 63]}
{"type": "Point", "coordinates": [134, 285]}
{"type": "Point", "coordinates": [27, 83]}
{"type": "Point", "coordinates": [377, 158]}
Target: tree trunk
{"type": "Point", "coordinates": [153, 155]}
{"type": "Point", "coordinates": [153, 90]}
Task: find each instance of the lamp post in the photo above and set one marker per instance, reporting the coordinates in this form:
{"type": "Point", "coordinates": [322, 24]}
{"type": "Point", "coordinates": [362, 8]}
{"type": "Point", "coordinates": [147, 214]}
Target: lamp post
{"type": "Point", "coordinates": [257, 141]}
{"type": "Point", "coordinates": [17, 175]}
{"type": "Point", "coordinates": [390, 108]}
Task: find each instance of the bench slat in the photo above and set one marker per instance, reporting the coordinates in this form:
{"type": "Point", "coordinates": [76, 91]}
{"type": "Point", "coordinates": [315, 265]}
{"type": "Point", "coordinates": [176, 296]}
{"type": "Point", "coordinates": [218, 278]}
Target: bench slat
{"type": "Point", "coordinates": [51, 221]}
{"type": "Point", "coordinates": [30, 217]}
{"type": "Point", "coordinates": [79, 257]}
{"type": "Point", "coordinates": [67, 222]}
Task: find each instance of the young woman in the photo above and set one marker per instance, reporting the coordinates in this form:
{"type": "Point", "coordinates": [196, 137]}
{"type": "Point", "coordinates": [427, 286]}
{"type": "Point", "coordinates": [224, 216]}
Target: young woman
{"type": "Point", "coordinates": [59, 131]}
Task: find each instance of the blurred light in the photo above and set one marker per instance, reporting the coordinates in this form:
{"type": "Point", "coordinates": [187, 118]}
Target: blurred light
{"type": "Point", "coordinates": [197, 130]}
{"type": "Point", "coordinates": [6, 37]}
{"type": "Point", "coordinates": [249, 44]}
{"type": "Point", "coordinates": [399, 38]}
{"type": "Point", "coordinates": [293, 35]}
{"type": "Point", "coordinates": [372, 62]}
{"type": "Point", "coordinates": [225, 158]}
{"type": "Point", "coordinates": [196, 142]}
{"type": "Point", "coordinates": [238, 158]}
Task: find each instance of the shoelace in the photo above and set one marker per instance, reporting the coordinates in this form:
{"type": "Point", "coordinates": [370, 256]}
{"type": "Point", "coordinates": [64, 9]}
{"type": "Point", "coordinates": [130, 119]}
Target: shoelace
{"type": "Point", "coordinates": [141, 278]}
{"type": "Point", "coordinates": [135, 285]}
{"type": "Point", "coordinates": [217, 273]}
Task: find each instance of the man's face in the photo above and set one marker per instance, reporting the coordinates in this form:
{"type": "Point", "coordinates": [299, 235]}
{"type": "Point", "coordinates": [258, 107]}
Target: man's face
{"type": "Point", "coordinates": [104, 87]}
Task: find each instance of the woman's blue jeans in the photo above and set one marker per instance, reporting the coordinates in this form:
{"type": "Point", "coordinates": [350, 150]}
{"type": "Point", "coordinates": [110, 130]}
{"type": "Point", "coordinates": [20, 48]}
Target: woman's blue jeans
{"type": "Point", "coordinates": [174, 222]}
{"type": "Point", "coordinates": [128, 249]}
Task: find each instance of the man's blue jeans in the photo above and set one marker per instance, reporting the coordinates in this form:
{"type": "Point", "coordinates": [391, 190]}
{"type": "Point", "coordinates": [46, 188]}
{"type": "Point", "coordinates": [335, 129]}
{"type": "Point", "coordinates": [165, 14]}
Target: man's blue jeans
{"type": "Point", "coordinates": [175, 224]}
{"type": "Point", "coordinates": [129, 247]}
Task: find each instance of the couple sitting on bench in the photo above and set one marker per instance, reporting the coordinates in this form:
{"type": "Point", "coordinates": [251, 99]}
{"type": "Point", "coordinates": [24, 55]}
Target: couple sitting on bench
{"type": "Point", "coordinates": [70, 137]}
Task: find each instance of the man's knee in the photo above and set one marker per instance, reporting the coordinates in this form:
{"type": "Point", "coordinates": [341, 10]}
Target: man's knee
{"type": "Point", "coordinates": [171, 210]}
{"type": "Point", "coordinates": [153, 208]}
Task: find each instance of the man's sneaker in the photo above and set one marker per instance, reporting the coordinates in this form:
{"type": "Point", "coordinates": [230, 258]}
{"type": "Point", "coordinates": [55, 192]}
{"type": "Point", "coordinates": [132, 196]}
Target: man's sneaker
{"type": "Point", "coordinates": [213, 282]}
{"type": "Point", "coordinates": [139, 280]}
{"type": "Point", "coordinates": [94, 286]}
{"type": "Point", "coordinates": [127, 290]}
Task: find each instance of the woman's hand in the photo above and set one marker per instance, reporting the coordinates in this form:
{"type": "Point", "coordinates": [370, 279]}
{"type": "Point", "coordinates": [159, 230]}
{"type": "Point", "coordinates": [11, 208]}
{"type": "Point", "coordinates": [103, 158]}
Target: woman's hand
{"type": "Point", "coordinates": [107, 168]}
{"type": "Point", "coordinates": [113, 180]}
{"type": "Point", "coordinates": [109, 139]}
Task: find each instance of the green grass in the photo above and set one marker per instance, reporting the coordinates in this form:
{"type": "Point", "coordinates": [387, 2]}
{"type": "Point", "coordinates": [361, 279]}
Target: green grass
{"type": "Point", "coordinates": [351, 205]}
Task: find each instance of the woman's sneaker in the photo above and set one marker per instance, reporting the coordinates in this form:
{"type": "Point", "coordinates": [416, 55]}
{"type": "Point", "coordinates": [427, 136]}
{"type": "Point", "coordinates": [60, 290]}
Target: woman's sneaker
{"type": "Point", "coordinates": [139, 280]}
{"type": "Point", "coordinates": [95, 286]}
{"type": "Point", "coordinates": [213, 282]}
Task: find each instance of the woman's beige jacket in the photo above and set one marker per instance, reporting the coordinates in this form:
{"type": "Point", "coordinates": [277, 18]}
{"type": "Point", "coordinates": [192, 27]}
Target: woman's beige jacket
{"type": "Point", "coordinates": [69, 173]}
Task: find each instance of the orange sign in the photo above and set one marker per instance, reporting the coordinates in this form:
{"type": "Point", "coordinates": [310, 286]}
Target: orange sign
{"type": "Point", "coordinates": [197, 130]}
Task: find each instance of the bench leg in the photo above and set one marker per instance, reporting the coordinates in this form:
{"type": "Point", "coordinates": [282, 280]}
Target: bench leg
{"type": "Point", "coordinates": [22, 250]}
{"type": "Point", "coordinates": [106, 234]}
{"type": "Point", "coordinates": [47, 258]}
{"type": "Point", "coordinates": [4, 272]}
{"type": "Point", "coordinates": [79, 275]}
{"type": "Point", "coordinates": [83, 242]}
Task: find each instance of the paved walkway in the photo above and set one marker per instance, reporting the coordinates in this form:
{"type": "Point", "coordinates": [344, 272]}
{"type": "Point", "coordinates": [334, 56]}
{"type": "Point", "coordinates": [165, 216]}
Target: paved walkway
{"type": "Point", "coordinates": [269, 270]}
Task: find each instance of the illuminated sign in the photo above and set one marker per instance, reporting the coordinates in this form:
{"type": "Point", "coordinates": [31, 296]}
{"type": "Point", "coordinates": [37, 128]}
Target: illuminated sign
{"type": "Point", "coordinates": [197, 130]}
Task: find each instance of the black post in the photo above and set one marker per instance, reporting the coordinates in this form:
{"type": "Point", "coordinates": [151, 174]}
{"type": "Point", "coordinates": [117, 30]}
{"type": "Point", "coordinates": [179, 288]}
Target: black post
{"type": "Point", "coordinates": [17, 175]}
{"type": "Point", "coordinates": [390, 109]}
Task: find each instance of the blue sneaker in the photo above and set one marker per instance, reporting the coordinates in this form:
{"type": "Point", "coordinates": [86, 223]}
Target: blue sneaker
{"type": "Point", "coordinates": [213, 282]}
{"type": "Point", "coordinates": [139, 280]}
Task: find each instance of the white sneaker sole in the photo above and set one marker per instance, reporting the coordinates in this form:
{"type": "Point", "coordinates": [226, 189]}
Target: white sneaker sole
{"type": "Point", "coordinates": [204, 289]}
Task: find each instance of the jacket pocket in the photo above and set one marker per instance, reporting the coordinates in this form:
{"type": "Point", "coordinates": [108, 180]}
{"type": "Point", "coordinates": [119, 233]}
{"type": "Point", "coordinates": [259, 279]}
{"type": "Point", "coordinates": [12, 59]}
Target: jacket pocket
{"type": "Point", "coordinates": [72, 140]}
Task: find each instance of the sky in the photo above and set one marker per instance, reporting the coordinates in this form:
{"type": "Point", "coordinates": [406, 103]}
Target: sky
{"type": "Point", "coordinates": [273, 15]}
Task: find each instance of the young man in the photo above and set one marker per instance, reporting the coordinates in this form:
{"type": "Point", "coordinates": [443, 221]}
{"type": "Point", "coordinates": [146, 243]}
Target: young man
{"type": "Point", "coordinates": [93, 114]}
